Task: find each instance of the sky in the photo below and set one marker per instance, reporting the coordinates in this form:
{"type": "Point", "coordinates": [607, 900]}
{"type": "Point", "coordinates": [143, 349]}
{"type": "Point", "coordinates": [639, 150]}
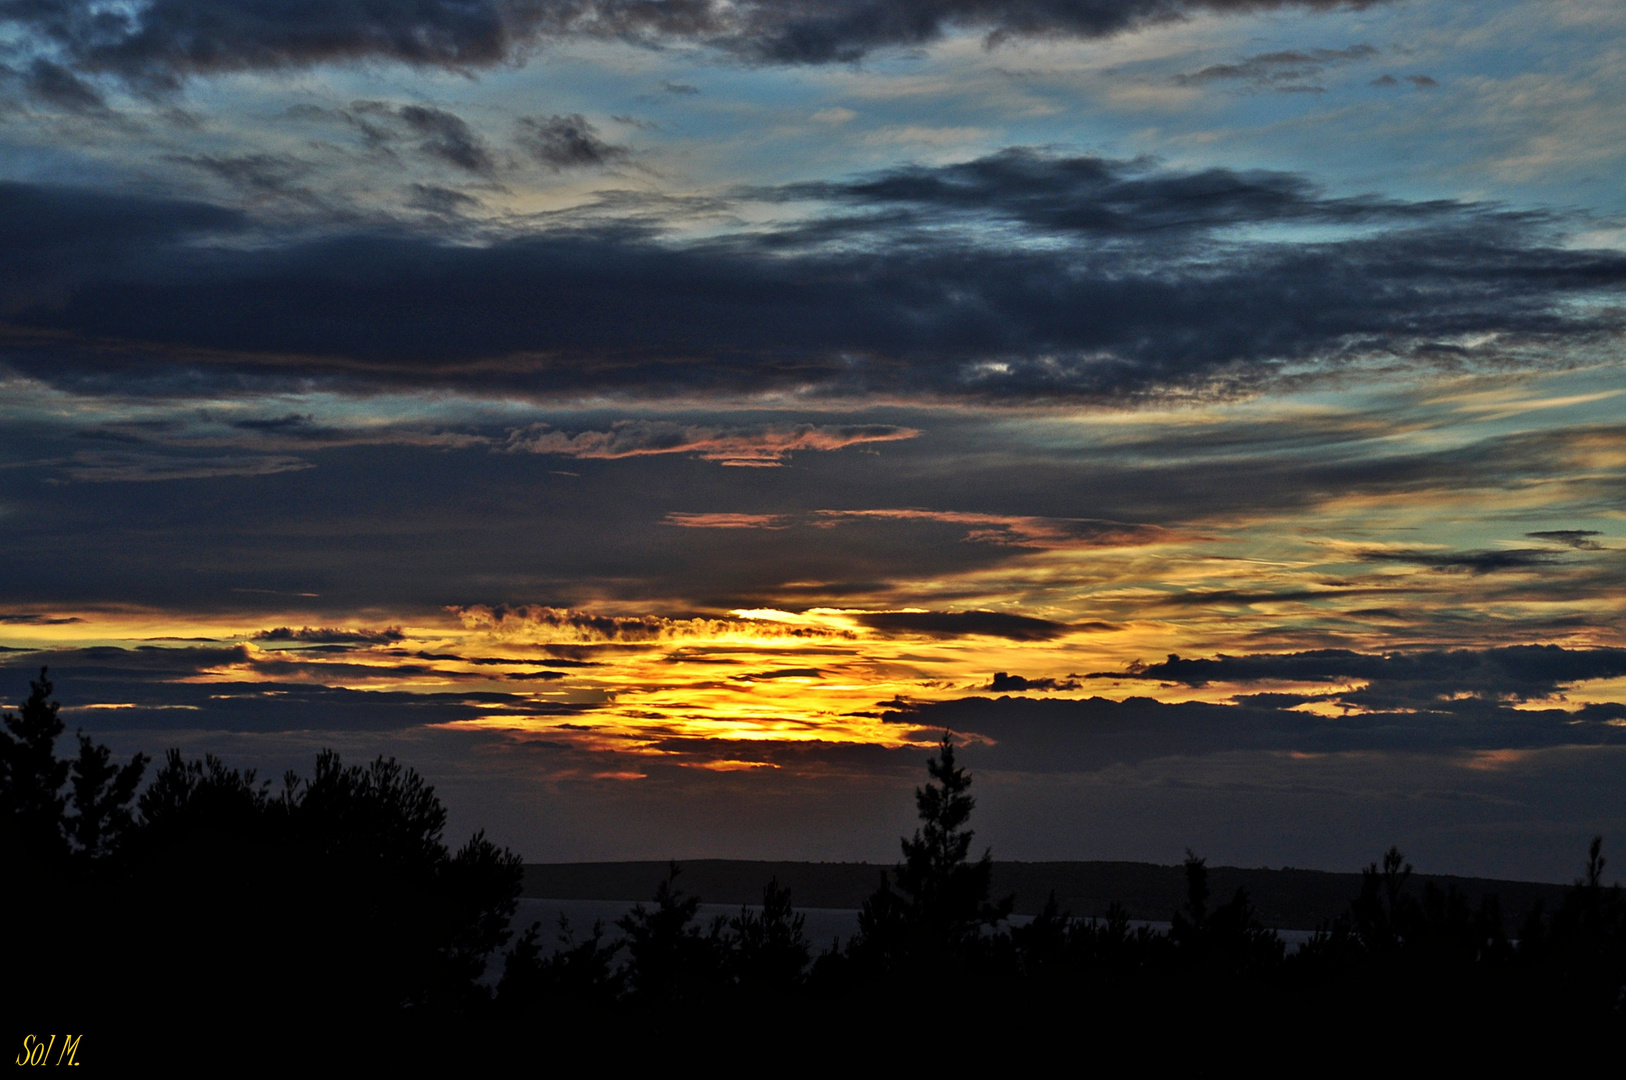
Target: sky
{"type": "Point", "coordinates": [658, 421]}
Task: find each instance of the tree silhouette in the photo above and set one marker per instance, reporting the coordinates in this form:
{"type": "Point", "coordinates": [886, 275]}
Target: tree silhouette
{"type": "Point", "coordinates": [770, 951]}
{"type": "Point", "coordinates": [579, 975]}
{"type": "Point", "coordinates": [1382, 911]}
{"type": "Point", "coordinates": [31, 778]}
{"type": "Point", "coordinates": [101, 795]}
{"type": "Point", "coordinates": [337, 894]}
{"type": "Point", "coordinates": [936, 914]}
{"type": "Point", "coordinates": [1227, 936]}
{"type": "Point", "coordinates": [43, 824]}
{"type": "Point", "coordinates": [669, 957]}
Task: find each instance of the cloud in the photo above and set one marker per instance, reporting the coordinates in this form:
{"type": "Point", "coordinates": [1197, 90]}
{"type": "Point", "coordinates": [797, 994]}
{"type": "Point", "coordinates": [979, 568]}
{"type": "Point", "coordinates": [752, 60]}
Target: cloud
{"type": "Point", "coordinates": [1016, 530]}
{"type": "Point", "coordinates": [954, 624]}
{"type": "Point", "coordinates": [275, 175]}
{"type": "Point", "coordinates": [567, 142]}
{"type": "Point", "coordinates": [743, 445]}
{"type": "Point", "coordinates": [1049, 735]}
{"type": "Point", "coordinates": [1474, 562]}
{"type": "Point", "coordinates": [1434, 680]}
{"type": "Point", "coordinates": [1108, 199]}
{"type": "Point", "coordinates": [1122, 282]}
{"type": "Point", "coordinates": [1003, 683]}
{"type": "Point", "coordinates": [117, 690]}
{"type": "Point", "coordinates": [449, 139]}
{"type": "Point", "coordinates": [325, 635]}
{"type": "Point", "coordinates": [103, 467]}
{"type": "Point", "coordinates": [56, 85]}
{"type": "Point", "coordinates": [567, 626]}
{"type": "Point", "coordinates": [52, 235]}
{"type": "Point", "coordinates": [1286, 70]}
{"type": "Point", "coordinates": [1576, 539]}
{"type": "Point", "coordinates": [725, 521]}
{"type": "Point", "coordinates": [30, 619]}
{"type": "Point", "coordinates": [161, 43]}
{"type": "Point", "coordinates": [441, 200]}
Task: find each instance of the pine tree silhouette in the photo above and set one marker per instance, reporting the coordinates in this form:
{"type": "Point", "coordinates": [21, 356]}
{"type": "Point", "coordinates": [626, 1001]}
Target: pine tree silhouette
{"type": "Point", "coordinates": [31, 778]}
{"type": "Point", "coordinates": [770, 950]}
{"type": "Point", "coordinates": [936, 914]}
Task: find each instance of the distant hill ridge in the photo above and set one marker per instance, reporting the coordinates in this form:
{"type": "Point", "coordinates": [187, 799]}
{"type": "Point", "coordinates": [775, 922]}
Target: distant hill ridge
{"type": "Point", "coordinates": [1287, 899]}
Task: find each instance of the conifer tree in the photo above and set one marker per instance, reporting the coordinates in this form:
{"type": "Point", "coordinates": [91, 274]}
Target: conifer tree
{"type": "Point", "coordinates": [31, 777]}
{"type": "Point", "coordinates": [941, 903]}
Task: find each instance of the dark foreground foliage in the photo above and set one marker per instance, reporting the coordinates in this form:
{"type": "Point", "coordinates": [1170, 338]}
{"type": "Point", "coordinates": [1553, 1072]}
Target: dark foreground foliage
{"type": "Point", "coordinates": [219, 905]}
{"type": "Point", "coordinates": [328, 917]}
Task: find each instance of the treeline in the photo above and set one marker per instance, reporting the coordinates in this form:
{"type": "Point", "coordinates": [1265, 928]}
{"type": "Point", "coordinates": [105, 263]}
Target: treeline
{"type": "Point", "coordinates": [214, 897]}
{"type": "Point", "coordinates": [931, 926]}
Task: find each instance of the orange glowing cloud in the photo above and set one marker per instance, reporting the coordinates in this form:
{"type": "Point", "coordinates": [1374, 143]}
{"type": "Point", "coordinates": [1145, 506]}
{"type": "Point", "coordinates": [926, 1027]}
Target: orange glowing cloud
{"type": "Point", "coordinates": [726, 521]}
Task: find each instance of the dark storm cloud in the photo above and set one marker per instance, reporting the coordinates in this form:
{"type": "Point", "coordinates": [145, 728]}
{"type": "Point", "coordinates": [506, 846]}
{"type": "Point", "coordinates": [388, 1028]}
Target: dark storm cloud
{"type": "Point", "coordinates": [953, 624]}
{"type": "Point", "coordinates": [567, 142]}
{"type": "Point", "coordinates": [1135, 282]}
{"type": "Point", "coordinates": [161, 43]}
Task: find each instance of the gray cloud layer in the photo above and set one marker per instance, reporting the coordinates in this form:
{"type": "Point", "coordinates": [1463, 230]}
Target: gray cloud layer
{"type": "Point", "coordinates": [161, 43]}
{"type": "Point", "coordinates": [1120, 279]}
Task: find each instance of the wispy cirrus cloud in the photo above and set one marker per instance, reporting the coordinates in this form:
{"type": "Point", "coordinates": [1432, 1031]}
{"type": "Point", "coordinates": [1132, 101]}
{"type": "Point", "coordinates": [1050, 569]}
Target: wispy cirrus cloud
{"type": "Point", "coordinates": [747, 445]}
{"type": "Point", "coordinates": [1015, 530]}
{"type": "Point", "coordinates": [106, 466]}
{"type": "Point", "coordinates": [726, 521]}
{"type": "Point", "coordinates": [1285, 71]}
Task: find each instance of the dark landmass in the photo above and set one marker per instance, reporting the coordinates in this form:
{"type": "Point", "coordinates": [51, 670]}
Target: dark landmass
{"type": "Point", "coordinates": [1287, 899]}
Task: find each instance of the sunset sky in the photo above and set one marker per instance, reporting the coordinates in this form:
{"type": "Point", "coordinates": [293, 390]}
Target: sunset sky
{"type": "Point", "coordinates": [656, 421]}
